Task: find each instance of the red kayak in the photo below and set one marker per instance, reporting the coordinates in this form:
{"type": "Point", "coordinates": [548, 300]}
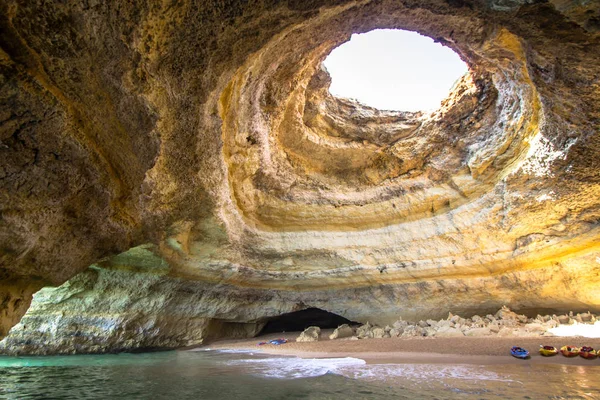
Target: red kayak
{"type": "Point", "coordinates": [569, 351]}
{"type": "Point", "coordinates": [588, 352]}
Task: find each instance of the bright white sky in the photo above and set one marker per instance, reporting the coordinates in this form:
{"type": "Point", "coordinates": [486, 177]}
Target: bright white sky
{"type": "Point", "coordinates": [391, 69]}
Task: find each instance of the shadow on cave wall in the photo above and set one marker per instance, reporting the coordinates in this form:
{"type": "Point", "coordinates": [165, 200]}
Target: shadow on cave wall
{"type": "Point", "coordinates": [300, 320]}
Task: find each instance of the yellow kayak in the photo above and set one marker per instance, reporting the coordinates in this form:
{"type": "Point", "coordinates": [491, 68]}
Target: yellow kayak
{"type": "Point", "coordinates": [569, 351]}
{"type": "Point", "coordinates": [548, 351]}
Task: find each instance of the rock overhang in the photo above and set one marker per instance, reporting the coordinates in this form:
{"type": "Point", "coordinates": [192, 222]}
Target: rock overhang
{"type": "Point", "coordinates": [248, 173]}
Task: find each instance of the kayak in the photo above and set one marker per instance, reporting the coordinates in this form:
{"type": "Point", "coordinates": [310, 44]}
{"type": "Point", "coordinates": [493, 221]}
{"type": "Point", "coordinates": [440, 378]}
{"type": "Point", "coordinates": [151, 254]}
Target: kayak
{"type": "Point", "coordinates": [548, 351]}
{"type": "Point", "coordinates": [569, 351]}
{"type": "Point", "coordinates": [274, 341]}
{"type": "Point", "coordinates": [519, 352]}
{"type": "Point", "coordinates": [278, 341]}
{"type": "Point", "coordinates": [588, 352]}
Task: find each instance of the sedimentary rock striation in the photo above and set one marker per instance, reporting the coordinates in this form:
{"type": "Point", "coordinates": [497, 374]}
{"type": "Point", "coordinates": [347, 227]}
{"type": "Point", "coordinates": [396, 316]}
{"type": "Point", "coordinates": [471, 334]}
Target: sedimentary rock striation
{"type": "Point", "coordinates": [205, 133]}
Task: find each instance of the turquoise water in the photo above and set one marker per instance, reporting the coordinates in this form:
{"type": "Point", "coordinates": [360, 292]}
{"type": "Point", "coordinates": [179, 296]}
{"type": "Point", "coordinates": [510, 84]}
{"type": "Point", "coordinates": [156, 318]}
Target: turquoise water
{"type": "Point", "coordinates": [226, 375]}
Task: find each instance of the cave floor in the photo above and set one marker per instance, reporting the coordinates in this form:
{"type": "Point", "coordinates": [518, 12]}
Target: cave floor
{"type": "Point", "coordinates": [414, 350]}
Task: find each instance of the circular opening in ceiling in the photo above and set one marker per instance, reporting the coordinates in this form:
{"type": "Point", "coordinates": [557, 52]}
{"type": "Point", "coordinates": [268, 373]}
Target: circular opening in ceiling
{"type": "Point", "coordinates": [392, 69]}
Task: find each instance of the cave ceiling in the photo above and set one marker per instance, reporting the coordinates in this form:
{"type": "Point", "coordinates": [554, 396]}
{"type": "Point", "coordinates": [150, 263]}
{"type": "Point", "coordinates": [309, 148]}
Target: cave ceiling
{"type": "Point", "coordinates": [206, 132]}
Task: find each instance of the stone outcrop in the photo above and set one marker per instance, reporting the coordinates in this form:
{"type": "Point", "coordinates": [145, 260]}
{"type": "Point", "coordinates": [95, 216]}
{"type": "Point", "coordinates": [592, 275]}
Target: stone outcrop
{"type": "Point", "coordinates": [310, 334]}
{"type": "Point", "coordinates": [205, 133]}
{"type": "Point", "coordinates": [342, 331]}
{"type": "Point", "coordinates": [130, 303]}
{"type": "Point", "coordinates": [504, 323]}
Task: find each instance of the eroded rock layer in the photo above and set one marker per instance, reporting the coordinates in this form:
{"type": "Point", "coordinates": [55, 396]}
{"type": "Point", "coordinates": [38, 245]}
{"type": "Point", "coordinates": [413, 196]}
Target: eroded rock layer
{"type": "Point", "coordinates": [206, 133]}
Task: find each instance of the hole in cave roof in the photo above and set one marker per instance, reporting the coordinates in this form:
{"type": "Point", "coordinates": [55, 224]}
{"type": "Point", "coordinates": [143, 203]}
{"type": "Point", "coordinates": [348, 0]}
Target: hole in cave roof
{"type": "Point", "coordinates": [392, 69]}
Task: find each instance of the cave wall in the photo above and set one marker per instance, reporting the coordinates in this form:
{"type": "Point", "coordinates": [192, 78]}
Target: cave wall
{"type": "Point", "coordinates": [205, 130]}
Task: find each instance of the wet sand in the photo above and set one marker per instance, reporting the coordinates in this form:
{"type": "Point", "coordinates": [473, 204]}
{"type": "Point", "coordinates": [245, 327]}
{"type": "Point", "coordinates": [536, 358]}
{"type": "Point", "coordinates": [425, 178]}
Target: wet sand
{"type": "Point", "coordinates": [417, 350]}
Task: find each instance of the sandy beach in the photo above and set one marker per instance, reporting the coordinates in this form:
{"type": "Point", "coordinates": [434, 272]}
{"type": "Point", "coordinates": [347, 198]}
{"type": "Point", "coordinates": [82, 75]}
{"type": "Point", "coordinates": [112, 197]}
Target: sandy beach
{"type": "Point", "coordinates": [416, 350]}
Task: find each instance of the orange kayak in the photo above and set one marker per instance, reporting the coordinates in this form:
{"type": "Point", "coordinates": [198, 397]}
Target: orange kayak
{"type": "Point", "coordinates": [569, 351]}
{"type": "Point", "coordinates": [588, 352]}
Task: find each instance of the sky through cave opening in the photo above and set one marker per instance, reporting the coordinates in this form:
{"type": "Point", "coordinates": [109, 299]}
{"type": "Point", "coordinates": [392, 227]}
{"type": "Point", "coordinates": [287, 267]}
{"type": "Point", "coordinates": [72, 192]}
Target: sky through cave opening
{"type": "Point", "coordinates": [392, 69]}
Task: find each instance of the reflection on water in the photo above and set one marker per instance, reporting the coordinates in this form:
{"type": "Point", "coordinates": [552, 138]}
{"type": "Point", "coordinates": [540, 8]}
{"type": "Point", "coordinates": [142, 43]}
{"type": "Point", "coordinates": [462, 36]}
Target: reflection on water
{"type": "Point", "coordinates": [221, 375]}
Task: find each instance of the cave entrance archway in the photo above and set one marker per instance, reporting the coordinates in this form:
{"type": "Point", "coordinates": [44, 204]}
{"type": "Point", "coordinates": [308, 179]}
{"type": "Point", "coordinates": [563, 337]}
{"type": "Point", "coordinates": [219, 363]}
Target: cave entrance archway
{"type": "Point", "coordinates": [300, 320]}
{"type": "Point", "coordinates": [394, 69]}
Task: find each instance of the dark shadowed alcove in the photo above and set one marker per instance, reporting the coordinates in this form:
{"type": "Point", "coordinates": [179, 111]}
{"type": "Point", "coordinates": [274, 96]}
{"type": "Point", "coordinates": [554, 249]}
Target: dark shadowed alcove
{"type": "Point", "coordinates": [300, 320]}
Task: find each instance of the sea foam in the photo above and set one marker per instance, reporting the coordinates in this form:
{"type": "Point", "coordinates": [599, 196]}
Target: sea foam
{"type": "Point", "coordinates": [294, 367]}
{"type": "Point", "coordinates": [356, 368]}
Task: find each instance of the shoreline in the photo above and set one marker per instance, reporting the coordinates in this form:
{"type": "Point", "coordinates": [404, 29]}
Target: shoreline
{"type": "Point", "coordinates": [415, 350]}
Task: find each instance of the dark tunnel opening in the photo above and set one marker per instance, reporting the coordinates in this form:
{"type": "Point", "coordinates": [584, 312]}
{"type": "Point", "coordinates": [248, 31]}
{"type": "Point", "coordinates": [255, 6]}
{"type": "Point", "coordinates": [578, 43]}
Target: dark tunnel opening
{"type": "Point", "coordinates": [300, 320]}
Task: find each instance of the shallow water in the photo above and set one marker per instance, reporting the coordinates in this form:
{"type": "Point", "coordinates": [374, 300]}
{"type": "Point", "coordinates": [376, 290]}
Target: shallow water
{"type": "Point", "coordinates": [243, 375]}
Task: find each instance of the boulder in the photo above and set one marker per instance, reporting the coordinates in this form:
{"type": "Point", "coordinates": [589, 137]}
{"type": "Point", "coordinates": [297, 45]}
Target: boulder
{"type": "Point", "coordinates": [400, 328]}
{"type": "Point", "coordinates": [430, 331]}
{"type": "Point", "coordinates": [550, 324]}
{"type": "Point", "coordinates": [542, 318]}
{"type": "Point", "coordinates": [478, 332]}
{"type": "Point", "coordinates": [342, 331]}
{"type": "Point", "coordinates": [444, 322]}
{"type": "Point", "coordinates": [449, 332]}
{"type": "Point", "coordinates": [310, 334]}
{"type": "Point", "coordinates": [506, 314]}
{"type": "Point", "coordinates": [364, 331]}
{"type": "Point", "coordinates": [378, 333]}
{"type": "Point", "coordinates": [411, 331]}
{"type": "Point", "coordinates": [535, 328]}
{"type": "Point", "coordinates": [522, 332]}
{"type": "Point", "coordinates": [505, 332]}
{"type": "Point", "coordinates": [396, 332]}
{"type": "Point", "coordinates": [585, 317]}
{"type": "Point", "coordinates": [400, 324]}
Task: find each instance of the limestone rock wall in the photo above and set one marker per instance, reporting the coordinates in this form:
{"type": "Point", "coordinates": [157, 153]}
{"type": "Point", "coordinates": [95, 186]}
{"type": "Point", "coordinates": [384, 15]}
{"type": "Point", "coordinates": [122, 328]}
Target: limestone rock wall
{"type": "Point", "coordinates": [206, 131]}
{"type": "Point", "coordinates": [130, 304]}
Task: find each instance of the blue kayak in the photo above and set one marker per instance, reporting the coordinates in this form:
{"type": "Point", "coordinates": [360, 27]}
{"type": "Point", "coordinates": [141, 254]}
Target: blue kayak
{"type": "Point", "coordinates": [519, 352]}
{"type": "Point", "coordinates": [274, 341]}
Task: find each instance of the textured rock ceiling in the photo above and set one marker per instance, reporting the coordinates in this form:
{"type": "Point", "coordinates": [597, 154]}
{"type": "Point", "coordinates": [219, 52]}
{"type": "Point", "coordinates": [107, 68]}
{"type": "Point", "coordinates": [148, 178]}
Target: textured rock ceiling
{"type": "Point", "coordinates": [206, 131]}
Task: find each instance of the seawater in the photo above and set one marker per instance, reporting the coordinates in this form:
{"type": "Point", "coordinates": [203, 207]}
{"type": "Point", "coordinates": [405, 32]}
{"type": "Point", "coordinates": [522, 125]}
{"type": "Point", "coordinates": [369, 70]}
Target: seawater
{"type": "Point", "coordinates": [247, 375]}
